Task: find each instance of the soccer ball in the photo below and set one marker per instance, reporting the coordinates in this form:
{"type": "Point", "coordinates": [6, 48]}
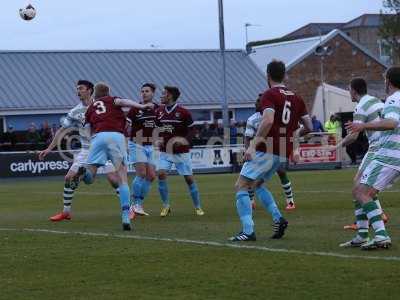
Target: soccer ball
{"type": "Point", "coordinates": [27, 13]}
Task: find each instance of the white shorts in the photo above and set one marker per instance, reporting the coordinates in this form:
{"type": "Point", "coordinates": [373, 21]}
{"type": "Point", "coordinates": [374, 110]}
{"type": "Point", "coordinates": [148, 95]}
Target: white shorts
{"type": "Point", "coordinates": [379, 176]}
{"type": "Point", "coordinates": [80, 160]}
{"type": "Point", "coordinates": [367, 159]}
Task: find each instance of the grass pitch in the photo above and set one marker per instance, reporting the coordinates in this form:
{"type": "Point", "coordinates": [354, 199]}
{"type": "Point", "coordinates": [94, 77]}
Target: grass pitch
{"type": "Point", "coordinates": [102, 262]}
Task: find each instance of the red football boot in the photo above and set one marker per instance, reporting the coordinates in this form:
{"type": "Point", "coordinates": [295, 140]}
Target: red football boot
{"type": "Point", "coordinates": [290, 206]}
{"type": "Point", "coordinates": [60, 217]}
{"type": "Point", "coordinates": [350, 227]}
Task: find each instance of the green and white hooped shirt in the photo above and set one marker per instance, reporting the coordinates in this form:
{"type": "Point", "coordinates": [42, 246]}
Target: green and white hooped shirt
{"type": "Point", "coordinates": [76, 119]}
{"type": "Point", "coordinates": [389, 142]}
{"type": "Point", "coordinates": [369, 109]}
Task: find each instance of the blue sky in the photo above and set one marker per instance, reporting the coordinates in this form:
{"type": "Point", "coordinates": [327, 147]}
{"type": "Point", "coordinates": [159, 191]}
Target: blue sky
{"type": "Point", "coordinates": [172, 24]}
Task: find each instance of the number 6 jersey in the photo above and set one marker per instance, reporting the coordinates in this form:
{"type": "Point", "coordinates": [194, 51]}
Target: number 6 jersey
{"type": "Point", "coordinates": [289, 109]}
{"type": "Point", "coordinates": [103, 115]}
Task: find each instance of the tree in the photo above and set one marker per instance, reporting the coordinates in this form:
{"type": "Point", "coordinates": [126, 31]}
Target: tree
{"type": "Point", "coordinates": [390, 27]}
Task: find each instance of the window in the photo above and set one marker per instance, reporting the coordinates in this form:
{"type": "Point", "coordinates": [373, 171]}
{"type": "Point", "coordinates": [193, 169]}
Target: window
{"type": "Point", "coordinates": [217, 115]}
{"type": "Point", "coordinates": [201, 115]}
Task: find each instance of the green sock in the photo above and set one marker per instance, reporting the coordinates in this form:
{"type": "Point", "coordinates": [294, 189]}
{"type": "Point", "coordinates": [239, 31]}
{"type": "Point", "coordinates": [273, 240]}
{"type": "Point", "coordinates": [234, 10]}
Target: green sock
{"type": "Point", "coordinates": [284, 179]}
{"type": "Point", "coordinates": [375, 218]}
{"type": "Point", "coordinates": [287, 187]}
{"type": "Point", "coordinates": [362, 220]}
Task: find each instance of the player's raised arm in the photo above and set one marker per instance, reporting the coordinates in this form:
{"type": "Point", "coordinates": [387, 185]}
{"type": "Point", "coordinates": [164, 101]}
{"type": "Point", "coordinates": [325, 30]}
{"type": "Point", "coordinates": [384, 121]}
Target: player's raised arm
{"type": "Point", "coordinates": [382, 125]}
{"type": "Point", "coordinates": [57, 138]}
{"type": "Point", "coordinates": [390, 121]}
{"type": "Point", "coordinates": [265, 126]}
{"type": "Point", "coordinates": [131, 103]}
{"type": "Point", "coordinates": [348, 139]}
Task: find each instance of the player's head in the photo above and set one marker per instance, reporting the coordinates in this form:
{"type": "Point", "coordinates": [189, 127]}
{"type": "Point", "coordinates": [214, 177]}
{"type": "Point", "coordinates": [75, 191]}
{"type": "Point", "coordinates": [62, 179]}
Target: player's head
{"type": "Point", "coordinates": [101, 89]}
{"type": "Point", "coordinates": [147, 92]}
{"type": "Point", "coordinates": [84, 89]}
{"type": "Point", "coordinates": [392, 79]}
{"type": "Point", "coordinates": [170, 95]}
{"type": "Point", "coordinates": [276, 71]}
{"type": "Point", "coordinates": [258, 103]}
{"type": "Point", "coordinates": [358, 88]}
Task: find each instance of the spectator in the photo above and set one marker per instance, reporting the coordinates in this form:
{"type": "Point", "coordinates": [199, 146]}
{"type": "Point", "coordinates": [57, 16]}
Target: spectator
{"type": "Point", "coordinates": [317, 125]}
{"type": "Point", "coordinates": [240, 128]}
{"type": "Point", "coordinates": [32, 137]}
{"type": "Point", "coordinates": [206, 132]}
{"type": "Point", "coordinates": [10, 136]}
{"type": "Point", "coordinates": [197, 139]}
{"type": "Point", "coordinates": [214, 129]}
{"type": "Point", "coordinates": [220, 129]}
{"type": "Point", "coordinates": [233, 133]}
{"type": "Point", "coordinates": [54, 129]}
{"type": "Point", "coordinates": [46, 133]}
{"type": "Point", "coordinates": [332, 125]}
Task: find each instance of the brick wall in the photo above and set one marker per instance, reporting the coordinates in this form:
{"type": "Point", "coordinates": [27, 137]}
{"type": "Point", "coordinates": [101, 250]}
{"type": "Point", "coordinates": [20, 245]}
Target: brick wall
{"type": "Point", "coordinates": [367, 37]}
{"type": "Point", "coordinates": [345, 63]}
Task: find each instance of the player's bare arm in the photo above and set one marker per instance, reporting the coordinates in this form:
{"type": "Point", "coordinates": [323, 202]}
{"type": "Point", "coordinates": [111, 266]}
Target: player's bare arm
{"type": "Point", "coordinates": [382, 125]}
{"type": "Point", "coordinates": [131, 103]}
{"type": "Point", "coordinates": [57, 138]}
{"type": "Point", "coordinates": [348, 140]}
{"type": "Point", "coordinates": [263, 130]}
{"type": "Point", "coordinates": [247, 141]}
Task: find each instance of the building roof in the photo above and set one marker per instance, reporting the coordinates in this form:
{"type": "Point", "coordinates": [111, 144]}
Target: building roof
{"type": "Point", "coordinates": [45, 80]}
{"type": "Point", "coordinates": [366, 20]}
{"type": "Point", "coordinates": [285, 51]}
{"type": "Point", "coordinates": [317, 29]}
{"type": "Point", "coordinates": [294, 51]}
{"type": "Point", "coordinates": [313, 29]}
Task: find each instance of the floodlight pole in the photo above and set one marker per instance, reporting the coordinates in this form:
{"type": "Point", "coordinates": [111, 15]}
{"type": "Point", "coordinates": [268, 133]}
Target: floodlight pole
{"type": "Point", "coordinates": [323, 87]}
{"type": "Point", "coordinates": [224, 100]}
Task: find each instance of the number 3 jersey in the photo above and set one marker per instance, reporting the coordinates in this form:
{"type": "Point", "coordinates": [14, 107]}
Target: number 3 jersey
{"type": "Point", "coordinates": [289, 109]}
{"type": "Point", "coordinates": [103, 115]}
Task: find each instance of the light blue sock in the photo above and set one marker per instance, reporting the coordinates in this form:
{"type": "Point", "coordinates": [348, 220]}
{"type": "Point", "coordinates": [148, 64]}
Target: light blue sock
{"type": "Point", "coordinates": [124, 201]}
{"type": "Point", "coordinates": [137, 183]}
{"type": "Point", "coordinates": [145, 188]}
{"type": "Point", "coordinates": [163, 189]}
{"type": "Point", "coordinates": [243, 206]}
{"type": "Point", "coordinates": [194, 193]}
{"type": "Point", "coordinates": [269, 203]}
{"type": "Point", "coordinates": [88, 177]}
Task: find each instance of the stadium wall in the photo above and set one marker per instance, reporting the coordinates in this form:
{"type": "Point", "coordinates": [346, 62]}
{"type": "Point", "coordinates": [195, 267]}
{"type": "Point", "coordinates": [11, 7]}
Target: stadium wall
{"type": "Point", "coordinates": [22, 122]}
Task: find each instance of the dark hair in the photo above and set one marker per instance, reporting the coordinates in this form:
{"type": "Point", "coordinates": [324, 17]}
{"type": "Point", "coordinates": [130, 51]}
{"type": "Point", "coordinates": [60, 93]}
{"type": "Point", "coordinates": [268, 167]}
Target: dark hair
{"type": "Point", "coordinates": [276, 70]}
{"type": "Point", "coordinates": [174, 91]}
{"type": "Point", "coordinates": [86, 83]}
{"type": "Point", "coordinates": [152, 86]}
{"type": "Point", "coordinates": [393, 76]}
{"type": "Point", "coordinates": [359, 85]}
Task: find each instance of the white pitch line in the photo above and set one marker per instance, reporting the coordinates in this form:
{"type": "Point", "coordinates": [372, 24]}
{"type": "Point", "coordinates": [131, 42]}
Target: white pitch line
{"type": "Point", "coordinates": [107, 193]}
{"type": "Point", "coordinates": [206, 243]}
